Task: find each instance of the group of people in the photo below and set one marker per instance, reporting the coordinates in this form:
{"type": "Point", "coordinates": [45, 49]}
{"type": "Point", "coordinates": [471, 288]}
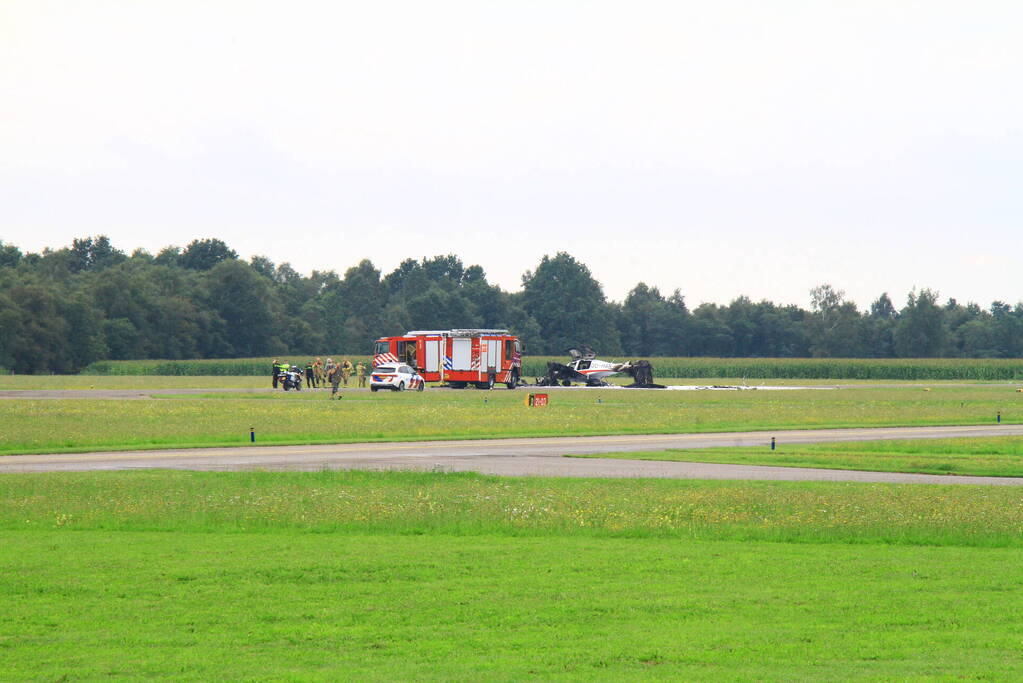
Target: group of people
{"type": "Point", "coordinates": [318, 373]}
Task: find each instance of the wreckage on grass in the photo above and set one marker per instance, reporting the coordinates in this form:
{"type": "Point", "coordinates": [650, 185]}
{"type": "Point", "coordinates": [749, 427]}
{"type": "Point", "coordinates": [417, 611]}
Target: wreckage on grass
{"type": "Point", "coordinates": [586, 368]}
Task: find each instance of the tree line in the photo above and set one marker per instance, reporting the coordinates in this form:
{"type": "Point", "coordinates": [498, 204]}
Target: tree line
{"type": "Point", "coordinates": [62, 309]}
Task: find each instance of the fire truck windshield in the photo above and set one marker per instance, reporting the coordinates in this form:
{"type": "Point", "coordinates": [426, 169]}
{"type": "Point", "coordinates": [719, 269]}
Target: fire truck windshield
{"type": "Point", "coordinates": [380, 347]}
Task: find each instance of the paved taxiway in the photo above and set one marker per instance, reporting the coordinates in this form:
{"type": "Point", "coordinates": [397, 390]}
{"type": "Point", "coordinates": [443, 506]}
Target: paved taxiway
{"type": "Point", "coordinates": [527, 457]}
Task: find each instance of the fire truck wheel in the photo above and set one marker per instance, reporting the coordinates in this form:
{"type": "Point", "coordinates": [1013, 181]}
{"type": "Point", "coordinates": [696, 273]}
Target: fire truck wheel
{"type": "Point", "coordinates": [513, 380]}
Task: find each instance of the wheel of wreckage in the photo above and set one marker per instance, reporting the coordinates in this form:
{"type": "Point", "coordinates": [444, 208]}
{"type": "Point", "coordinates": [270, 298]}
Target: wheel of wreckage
{"type": "Point", "coordinates": [565, 383]}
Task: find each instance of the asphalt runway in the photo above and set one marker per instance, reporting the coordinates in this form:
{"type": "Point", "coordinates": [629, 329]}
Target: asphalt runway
{"type": "Point", "coordinates": [528, 457]}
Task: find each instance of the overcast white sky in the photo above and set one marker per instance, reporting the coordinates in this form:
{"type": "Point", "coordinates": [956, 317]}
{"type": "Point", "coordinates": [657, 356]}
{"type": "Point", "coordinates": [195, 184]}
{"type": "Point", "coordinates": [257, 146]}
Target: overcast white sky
{"type": "Point", "coordinates": [722, 148]}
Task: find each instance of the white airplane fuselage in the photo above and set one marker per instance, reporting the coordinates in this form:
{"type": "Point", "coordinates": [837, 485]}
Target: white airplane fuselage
{"type": "Point", "coordinates": [597, 369]}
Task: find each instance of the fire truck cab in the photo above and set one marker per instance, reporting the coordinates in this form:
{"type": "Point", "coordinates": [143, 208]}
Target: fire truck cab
{"type": "Point", "coordinates": [458, 357]}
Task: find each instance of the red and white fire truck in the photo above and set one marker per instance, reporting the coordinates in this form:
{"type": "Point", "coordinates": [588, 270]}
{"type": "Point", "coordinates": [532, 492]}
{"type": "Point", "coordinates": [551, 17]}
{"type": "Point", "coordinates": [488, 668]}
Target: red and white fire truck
{"type": "Point", "coordinates": [459, 357]}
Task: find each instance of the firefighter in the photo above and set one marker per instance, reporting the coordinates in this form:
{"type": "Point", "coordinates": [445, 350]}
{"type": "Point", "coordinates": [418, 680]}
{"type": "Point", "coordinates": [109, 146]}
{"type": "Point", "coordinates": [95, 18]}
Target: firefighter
{"type": "Point", "coordinates": [360, 372]}
{"type": "Point", "coordinates": [334, 375]}
{"type": "Point", "coordinates": [318, 376]}
{"type": "Point", "coordinates": [346, 370]}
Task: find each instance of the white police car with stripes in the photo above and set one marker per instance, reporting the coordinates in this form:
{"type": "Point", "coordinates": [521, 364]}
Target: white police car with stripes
{"type": "Point", "coordinates": [396, 377]}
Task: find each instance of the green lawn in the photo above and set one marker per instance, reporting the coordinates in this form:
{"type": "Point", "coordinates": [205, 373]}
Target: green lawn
{"type": "Point", "coordinates": [90, 382]}
{"type": "Point", "coordinates": [28, 425]}
{"type": "Point", "coordinates": [993, 457]}
{"type": "Point", "coordinates": [402, 576]}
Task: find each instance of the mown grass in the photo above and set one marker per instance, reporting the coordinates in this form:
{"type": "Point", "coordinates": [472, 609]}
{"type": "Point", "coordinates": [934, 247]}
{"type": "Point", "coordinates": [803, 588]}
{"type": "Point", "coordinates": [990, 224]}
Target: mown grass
{"type": "Point", "coordinates": [984, 369]}
{"type": "Point", "coordinates": [28, 426]}
{"type": "Point", "coordinates": [416, 503]}
{"type": "Point", "coordinates": [100, 382]}
{"type": "Point", "coordinates": [404, 576]}
{"type": "Point", "coordinates": [992, 457]}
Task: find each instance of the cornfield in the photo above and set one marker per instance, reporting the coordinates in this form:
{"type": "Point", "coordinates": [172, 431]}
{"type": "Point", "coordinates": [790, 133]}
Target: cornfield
{"type": "Point", "coordinates": [209, 366]}
{"type": "Point", "coordinates": [667, 368]}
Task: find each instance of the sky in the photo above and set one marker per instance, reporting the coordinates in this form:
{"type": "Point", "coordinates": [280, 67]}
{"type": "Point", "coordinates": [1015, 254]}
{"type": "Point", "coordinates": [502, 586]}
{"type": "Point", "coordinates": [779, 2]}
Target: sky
{"type": "Point", "coordinates": [720, 148]}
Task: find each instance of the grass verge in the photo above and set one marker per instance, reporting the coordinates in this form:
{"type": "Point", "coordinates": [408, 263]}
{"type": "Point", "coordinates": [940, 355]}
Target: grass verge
{"type": "Point", "coordinates": [403, 576]}
{"type": "Point", "coordinates": [34, 426]}
{"type": "Point", "coordinates": [991, 457]}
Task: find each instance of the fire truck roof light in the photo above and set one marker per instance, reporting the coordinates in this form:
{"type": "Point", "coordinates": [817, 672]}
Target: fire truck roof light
{"type": "Point", "coordinates": [460, 332]}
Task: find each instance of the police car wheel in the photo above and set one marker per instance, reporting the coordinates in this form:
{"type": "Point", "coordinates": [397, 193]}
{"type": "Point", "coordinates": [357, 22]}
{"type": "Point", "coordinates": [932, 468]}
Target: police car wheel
{"type": "Point", "coordinates": [422, 386]}
{"type": "Point", "coordinates": [373, 388]}
{"type": "Point", "coordinates": [401, 387]}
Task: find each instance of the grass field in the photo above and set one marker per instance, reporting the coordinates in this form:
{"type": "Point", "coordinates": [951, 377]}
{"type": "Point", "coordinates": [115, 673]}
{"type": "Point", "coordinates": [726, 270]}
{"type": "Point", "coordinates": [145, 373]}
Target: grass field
{"type": "Point", "coordinates": [308, 417]}
{"type": "Point", "coordinates": [401, 576]}
{"type": "Point", "coordinates": [994, 457]}
{"type": "Point", "coordinates": [100, 382]}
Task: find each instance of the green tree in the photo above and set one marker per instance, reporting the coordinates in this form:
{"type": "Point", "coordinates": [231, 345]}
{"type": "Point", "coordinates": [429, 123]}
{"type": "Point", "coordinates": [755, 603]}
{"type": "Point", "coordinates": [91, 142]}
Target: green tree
{"type": "Point", "coordinates": [569, 305]}
{"type": "Point", "coordinates": [920, 331]}
{"type": "Point", "coordinates": [205, 254]}
{"type": "Point", "coordinates": [241, 298]}
{"type": "Point", "coordinates": [10, 255]}
{"type": "Point", "coordinates": [834, 325]}
{"type": "Point", "coordinates": [93, 254]}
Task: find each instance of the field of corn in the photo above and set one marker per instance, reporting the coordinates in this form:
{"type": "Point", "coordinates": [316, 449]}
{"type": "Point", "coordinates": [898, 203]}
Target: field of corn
{"type": "Point", "coordinates": [993, 369]}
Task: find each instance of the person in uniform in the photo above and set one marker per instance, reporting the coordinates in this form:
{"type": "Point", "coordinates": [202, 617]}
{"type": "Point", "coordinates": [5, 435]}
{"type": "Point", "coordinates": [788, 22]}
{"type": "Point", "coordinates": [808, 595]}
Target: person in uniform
{"type": "Point", "coordinates": [334, 375]}
{"type": "Point", "coordinates": [310, 379]}
{"type": "Point", "coordinates": [318, 376]}
{"type": "Point", "coordinates": [346, 370]}
{"type": "Point", "coordinates": [274, 370]}
{"type": "Point", "coordinates": [360, 372]}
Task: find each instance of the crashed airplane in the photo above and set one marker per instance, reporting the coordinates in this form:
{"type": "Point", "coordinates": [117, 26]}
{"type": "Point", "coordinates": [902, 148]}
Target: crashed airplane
{"type": "Point", "coordinates": [586, 368]}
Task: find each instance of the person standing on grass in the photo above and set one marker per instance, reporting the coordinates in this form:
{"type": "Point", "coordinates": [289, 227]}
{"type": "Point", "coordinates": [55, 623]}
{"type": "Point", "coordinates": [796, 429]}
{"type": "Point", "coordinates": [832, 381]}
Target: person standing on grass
{"type": "Point", "coordinates": [334, 374]}
{"type": "Point", "coordinates": [318, 376]}
{"type": "Point", "coordinates": [346, 370]}
{"type": "Point", "coordinates": [310, 379]}
{"type": "Point", "coordinates": [273, 372]}
{"type": "Point", "coordinates": [360, 372]}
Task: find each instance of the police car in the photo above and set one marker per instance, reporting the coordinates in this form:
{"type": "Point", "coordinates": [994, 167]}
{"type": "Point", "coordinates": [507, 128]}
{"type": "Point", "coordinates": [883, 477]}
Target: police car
{"type": "Point", "coordinates": [396, 377]}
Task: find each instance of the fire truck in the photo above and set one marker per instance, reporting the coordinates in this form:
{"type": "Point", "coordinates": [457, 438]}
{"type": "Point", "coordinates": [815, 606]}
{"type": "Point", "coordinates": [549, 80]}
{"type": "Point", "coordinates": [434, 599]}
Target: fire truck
{"type": "Point", "coordinates": [481, 358]}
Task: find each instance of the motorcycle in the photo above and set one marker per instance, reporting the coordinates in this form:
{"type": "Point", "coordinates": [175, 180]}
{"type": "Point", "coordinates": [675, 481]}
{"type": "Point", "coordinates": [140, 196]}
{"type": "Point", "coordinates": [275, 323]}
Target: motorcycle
{"type": "Point", "coordinates": [291, 379]}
